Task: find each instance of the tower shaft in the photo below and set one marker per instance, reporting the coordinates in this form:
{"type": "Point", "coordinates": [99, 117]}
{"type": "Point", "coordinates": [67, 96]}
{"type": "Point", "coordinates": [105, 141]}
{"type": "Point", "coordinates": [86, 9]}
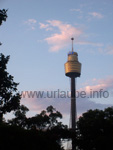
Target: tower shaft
{"type": "Point", "coordinates": [73, 103]}
{"type": "Point", "coordinates": [73, 111]}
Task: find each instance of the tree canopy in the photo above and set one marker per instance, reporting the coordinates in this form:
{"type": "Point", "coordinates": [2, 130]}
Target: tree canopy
{"type": "Point", "coordinates": [96, 129]}
{"type": "Point", "coordinates": [3, 15]}
{"type": "Point", "coordinates": [9, 97]}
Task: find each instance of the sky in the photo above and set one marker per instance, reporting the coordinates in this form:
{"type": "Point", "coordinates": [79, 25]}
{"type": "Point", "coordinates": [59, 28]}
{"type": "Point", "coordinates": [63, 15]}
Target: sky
{"type": "Point", "coordinates": [37, 36]}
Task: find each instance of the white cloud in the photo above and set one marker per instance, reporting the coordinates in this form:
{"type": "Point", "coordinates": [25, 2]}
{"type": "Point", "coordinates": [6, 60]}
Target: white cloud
{"type": "Point", "coordinates": [96, 15]}
{"type": "Point", "coordinates": [31, 23]}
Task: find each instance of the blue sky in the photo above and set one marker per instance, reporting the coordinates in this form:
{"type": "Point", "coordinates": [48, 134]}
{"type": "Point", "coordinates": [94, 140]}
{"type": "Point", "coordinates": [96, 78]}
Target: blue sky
{"type": "Point", "coordinates": [37, 37]}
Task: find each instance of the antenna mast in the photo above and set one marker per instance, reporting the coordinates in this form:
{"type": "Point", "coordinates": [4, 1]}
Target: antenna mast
{"type": "Point", "coordinates": [72, 43]}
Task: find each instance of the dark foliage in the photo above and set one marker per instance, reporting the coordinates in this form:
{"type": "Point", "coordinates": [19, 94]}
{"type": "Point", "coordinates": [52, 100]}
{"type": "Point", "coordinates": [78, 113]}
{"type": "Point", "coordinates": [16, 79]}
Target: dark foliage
{"type": "Point", "coordinates": [20, 117]}
{"type": "Point", "coordinates": [3, 15]}
{"type": "Point", "coordinates": [9, 97]}
{"type": "Point", "coordinates": [96, 129]}
{"type": "Point", "coordinates": [45, 120]}
{"type": "Point", "coordinates": [13, 137]}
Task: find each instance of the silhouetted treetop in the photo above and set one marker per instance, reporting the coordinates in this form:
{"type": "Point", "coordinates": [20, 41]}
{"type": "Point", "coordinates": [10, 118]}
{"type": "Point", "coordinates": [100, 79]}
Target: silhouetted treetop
{"type": "Point", "coordinates": [96, 129]}
{"type": "Point", "coordinates": [20, 116]}
{"type": "Point", "coordinates": [9, 97]}
{"type": "Point", "coordinates": [3, 15]}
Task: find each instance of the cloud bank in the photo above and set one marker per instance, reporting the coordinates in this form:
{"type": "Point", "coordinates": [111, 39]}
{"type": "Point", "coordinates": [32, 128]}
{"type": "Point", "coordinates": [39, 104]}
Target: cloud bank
{"type": "Point", "coordinates": [63, 33]}
{"type": "Point", "coordinates": [36, 105]}
{"type": "Point", "coordinates": [98, 84]}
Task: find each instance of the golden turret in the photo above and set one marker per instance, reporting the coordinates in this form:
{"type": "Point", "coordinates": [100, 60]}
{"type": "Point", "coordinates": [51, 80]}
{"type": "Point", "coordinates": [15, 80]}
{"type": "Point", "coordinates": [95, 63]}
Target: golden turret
{"type": "Point", "coordinates": [72, 66]}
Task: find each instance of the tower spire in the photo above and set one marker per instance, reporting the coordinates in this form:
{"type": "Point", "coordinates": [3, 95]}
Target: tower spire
{"type": "Point", "coordinates": [72, 43]}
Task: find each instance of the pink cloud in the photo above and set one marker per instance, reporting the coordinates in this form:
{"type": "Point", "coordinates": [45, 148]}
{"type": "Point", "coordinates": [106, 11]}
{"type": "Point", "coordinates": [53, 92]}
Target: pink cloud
{"type": "Point", "coordinates": [36, 105]}
{"type": "Point", "coordinates": [98, 84]}
{"type": "Point", "coordinates": [58, 41]}
{"type": "Point", "coordinates": [61, 38]}
{"type": "Point", "coordinates": [63, 105]}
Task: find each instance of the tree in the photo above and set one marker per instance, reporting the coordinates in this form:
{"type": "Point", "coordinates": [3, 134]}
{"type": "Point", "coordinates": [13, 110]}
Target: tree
{"type": "Point", "coordinates": [96, 129]}
{"type": "Point", "coordinates": [14, 137]}
{"type": "Point", "coordinates": [9, 97]}
{"type": "Point", "coordinates": [53, 116]}
{"type": "Point", "coordinates": [44, 125]}
{"type": "Point", "coordinates": [47, 119]}
{"type": "Point", "coordinates": [20, 117]}
{"type": "Point", "coordinates": [3, 17]}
